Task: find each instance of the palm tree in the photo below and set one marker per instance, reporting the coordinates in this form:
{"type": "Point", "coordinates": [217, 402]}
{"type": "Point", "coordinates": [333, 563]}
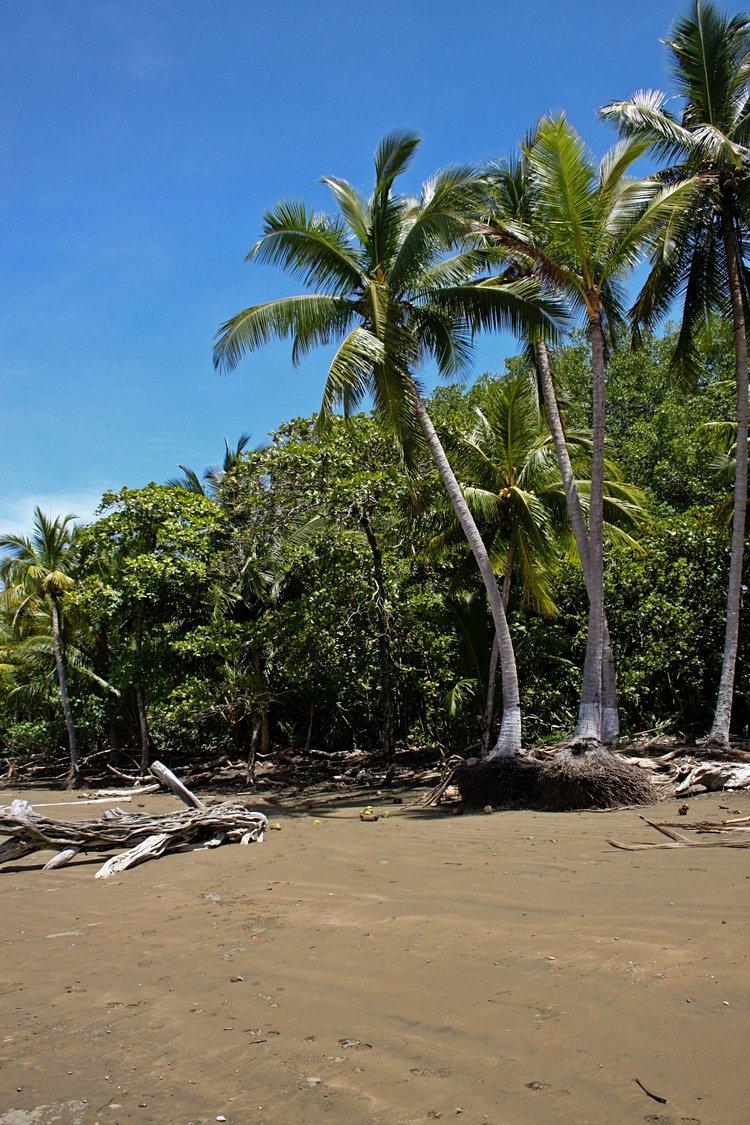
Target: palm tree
{"type": "Point", "coordinates": [38, 568]}
{"type": "Point", "coordinates": [399, 280]}
{"type": "Point", "coordinates": [513, 198]}
{"type": "Point", "coordinates": [509, 473]}
{"type": "Point", "coordinates": [214, 474]}
{"type": "Point", "coordinates": [703, 258]}
{"type": "Point", "coordinates": [597, 221]}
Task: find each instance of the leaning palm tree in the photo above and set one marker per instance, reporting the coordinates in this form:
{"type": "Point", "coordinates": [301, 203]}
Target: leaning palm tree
{"type": "Point", "coordinates": [38, 568]}
{"type": "Point", "coordinates": [597, 221]}
{"type": "Point", "coordinates": [398, 280]}
{"type": "Point", "coordinates": [703, 259]}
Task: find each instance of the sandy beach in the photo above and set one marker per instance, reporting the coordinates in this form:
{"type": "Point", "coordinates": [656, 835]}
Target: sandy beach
{"type": "Point", "coordinates": [512, 968]}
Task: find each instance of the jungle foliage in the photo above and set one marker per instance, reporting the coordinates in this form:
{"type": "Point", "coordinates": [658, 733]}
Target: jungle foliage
{"type": "Point", "coordinates": [321, 575]}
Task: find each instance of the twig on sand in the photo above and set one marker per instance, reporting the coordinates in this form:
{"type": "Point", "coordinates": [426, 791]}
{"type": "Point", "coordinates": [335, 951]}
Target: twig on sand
{"type": "Point", "coordinates": [723, 833]}
{"type": "Point", "coordinates": [662, 1101]}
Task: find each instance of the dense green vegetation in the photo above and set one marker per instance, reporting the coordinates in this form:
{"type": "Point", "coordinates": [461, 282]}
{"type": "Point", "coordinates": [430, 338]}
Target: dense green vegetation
{"type": "Point", "coordinates": [321, 577]}
{"type": "Point", "coordinates": [320, 591]}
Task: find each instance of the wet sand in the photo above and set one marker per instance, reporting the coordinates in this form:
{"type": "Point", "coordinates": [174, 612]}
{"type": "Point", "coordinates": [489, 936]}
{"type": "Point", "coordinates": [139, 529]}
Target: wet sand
{"type": "Point", "coordinates": [509, 969]}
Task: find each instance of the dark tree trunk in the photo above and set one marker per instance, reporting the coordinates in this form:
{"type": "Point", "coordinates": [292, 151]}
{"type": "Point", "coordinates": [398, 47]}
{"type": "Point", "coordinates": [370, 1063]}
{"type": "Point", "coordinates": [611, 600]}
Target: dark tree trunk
{"type": "Point", "coordinates": [309, 735]}
{"type": "Point", "coordinates": [719, 734]}
{"type": "Point", "coordinates": [144, 732]}
{"type": "Point", "coordinates": [253, 752]}
{"type": "Point", "coordinates": [115, 740]}
{"type": "Point", "coordinates": [387, 737]}
{"type": "Point", "coordinates": [265, 729]}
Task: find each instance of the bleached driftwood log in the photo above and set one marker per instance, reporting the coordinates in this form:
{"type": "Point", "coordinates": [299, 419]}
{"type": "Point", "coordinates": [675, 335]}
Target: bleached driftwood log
{"type": "Point", "coordinates": [143, 835]}
{"type": "Point", "coordinates": [715, 776]}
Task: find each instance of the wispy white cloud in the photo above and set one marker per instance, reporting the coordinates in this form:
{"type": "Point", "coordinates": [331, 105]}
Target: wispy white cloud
{"type": "Point", "coordinates": [17, 513]}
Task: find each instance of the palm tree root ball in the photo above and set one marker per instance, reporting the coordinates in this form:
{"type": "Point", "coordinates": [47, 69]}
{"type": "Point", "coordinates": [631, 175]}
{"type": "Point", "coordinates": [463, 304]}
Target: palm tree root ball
{"type": "Point", "coordinates": [504, 783]}
{"type": "Point", "coordinates": [593, 779]}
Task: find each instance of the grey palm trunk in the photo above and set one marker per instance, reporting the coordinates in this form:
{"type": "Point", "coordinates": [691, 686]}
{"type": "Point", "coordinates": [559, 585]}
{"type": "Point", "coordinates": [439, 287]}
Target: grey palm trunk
{"type": "Point", "coordinates": [62, 677]}
{"type": "Point", "coordinates": [489, 707]}
{"type": "Point", "coordinates": [508, 741]}
{"type": "Point", "coordinates": [589, 730]}
{"type": "Point", "coordinates": [610, 722]}
{"type": "Point", "coordinates": [723, 715]}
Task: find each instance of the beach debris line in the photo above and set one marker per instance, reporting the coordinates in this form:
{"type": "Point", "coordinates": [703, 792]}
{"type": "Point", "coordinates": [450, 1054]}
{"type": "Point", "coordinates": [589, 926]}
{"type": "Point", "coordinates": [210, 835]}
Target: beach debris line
{"type": "Point", "coordinates": [144, 836]}
{"type": "Point", "coordinates": [726, 834]}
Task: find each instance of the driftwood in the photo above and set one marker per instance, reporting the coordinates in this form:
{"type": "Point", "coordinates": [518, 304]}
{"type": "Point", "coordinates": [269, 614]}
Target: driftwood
{"type": "Point", "coordinates": [727, 834]}
{"type": "Point", "coordinates": [714, 776]}
{"type": "Point", "coordinates": [144, 836]}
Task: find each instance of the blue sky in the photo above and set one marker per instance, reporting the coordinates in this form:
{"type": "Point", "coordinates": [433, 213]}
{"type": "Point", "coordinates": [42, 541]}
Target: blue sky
{"type": "Point", "coordinates": [141, 142]}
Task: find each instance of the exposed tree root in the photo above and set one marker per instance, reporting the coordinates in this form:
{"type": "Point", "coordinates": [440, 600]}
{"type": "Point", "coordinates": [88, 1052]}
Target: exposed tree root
{"type": "Point", "coordinates": [595, 779]}
{"type": "Point", "coordinates": [504, 782]}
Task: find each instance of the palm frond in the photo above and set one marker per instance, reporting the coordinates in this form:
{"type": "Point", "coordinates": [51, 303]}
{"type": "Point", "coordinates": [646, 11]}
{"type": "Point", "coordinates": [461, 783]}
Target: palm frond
{"type": "Point", "coordinates": [394, 155]}
{"type": "Point", "coordinates": [310, 319]}
{"type": "Point", "coordinates": [708, 53]}
{"type": "Point", "coordinates": [314, 248]}
{"type": "Point", "coordinates": [442, 218]}
{"type": "Point", "coordinates": [492, 304]}
{"type": "Point", "coordinates": [352, 205]}
{"type": "Point", "coordinates": [644, 116]}
{"type": "Point", "coordinates": [444, 338]}
{"type": "Point", "coordinates": [350, 372]}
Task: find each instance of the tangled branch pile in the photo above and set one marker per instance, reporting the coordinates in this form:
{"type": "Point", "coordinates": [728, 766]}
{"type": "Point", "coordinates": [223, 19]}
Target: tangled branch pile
{"type": "Point", "coordinates": [144, 836]}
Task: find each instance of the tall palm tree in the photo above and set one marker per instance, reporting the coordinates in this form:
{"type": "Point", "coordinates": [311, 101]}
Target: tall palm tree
{"type": "Point", "coordinates": [399, 280]}
{"type": "Point", "coordinates": [703, 258]}
{"type": "Point", "coordinates": [597, 221]}
{"type": "Point", "coordinates": [513, 198]}
{"type": "Point", "coordinates": [39, 567]}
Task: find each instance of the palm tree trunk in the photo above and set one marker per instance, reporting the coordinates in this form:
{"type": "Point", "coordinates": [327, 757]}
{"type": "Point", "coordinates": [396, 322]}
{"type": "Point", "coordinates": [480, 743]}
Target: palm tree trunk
{"type": "Point", "coordinates": [509, 739]}
{"type": "Point", "coordinates": [384, 643]}
{"type": "Point", "coordinates": [610, 731]}
{"type": "Point", "coordinates": [589, 728]}
{"type": "Point", "coordinates": [62, 678]}
{"type": "Point", "coordinates": [489, 708]}
{"type": "Point", "coordinates": [723, 715]}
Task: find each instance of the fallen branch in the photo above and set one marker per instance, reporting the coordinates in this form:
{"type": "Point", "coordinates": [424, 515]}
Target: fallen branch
{"type": "Point", "coordinates": [434, 796]}
{"type": "Point", "coordinates": [678, 840]}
